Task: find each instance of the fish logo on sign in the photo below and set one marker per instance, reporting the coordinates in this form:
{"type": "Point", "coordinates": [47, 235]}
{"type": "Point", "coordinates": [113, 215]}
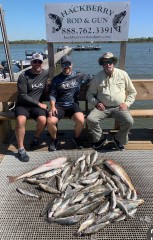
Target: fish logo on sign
{"type": "Point", "coordinates": [57, 21]}
{"type": "Point", "coordinates": [117, 20]}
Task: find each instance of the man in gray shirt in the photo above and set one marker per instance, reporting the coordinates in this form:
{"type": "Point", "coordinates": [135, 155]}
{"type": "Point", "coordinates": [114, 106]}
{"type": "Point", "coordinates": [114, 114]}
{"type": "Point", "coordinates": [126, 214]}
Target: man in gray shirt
{"type": "Point", "coordinates": [111, 92]}
{"type": "Point", "coordinates": [31, 86]}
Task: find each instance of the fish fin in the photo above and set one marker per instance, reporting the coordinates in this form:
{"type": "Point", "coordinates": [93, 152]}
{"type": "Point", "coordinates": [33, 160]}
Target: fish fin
{"type": "Point", "coordinates": [12, 179]}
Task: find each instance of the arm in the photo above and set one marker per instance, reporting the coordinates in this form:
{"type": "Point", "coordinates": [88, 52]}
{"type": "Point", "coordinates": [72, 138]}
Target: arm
{"type": "Point", "coordinates": [52, 97]}
{"type": "Point", "coordinates": [29, 97]}
{"type": "Point", "coordinates": [131, 91]}
{"type": "Point", "coordinates": [92, 93]}
{"type": "Point", "coordinates": [23, 92]}
{"type": "Point", "coordinates": [85, 78]}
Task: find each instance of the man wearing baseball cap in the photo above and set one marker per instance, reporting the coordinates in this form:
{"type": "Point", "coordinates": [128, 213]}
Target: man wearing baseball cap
{"type": "Point", "coordinates": [31, 85]}
{"type": "Point", "coordinates": [111, 93]}
{"type": "Point", "coordinates": [64, 93]}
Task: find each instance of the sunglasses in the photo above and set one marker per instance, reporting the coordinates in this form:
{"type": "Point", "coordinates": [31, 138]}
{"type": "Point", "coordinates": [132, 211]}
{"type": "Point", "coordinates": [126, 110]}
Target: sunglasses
{"type": "Point", "coordinates": [37, 61]}
{"type": "Point", "coordinates": [66, 64]}
{"type": "Point", "coordinates": [108, 62]}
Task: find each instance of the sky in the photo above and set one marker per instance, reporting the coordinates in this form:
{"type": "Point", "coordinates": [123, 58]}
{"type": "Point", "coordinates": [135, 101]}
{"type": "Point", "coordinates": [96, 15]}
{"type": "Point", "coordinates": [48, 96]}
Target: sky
{"type": "Point", "coordinates": [25, 19]}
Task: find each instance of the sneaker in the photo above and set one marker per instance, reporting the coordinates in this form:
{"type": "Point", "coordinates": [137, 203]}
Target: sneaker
{"type": "Point", "coordinates": [99, 143]}
{"type": "Point", "coordinates": [78, 143]}
{"type": "Point", "coordinates": [23, 156]}
{"type": "Point", "coordinates": [35, 143]}
{"type": "Point", "coordinates": [118, 145]}
{"type": "Point", "coordinates": [53, 145]}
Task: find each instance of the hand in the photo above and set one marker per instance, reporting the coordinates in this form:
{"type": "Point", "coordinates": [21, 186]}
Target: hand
{"type": "Point", "coordinates": [43, 105]}
{"type": "Point", "coordinates": [53, 112]}
{"type": "Point", "coordinates": [123, 106]}
{"type": "Point", "coordinates": [100, 106]}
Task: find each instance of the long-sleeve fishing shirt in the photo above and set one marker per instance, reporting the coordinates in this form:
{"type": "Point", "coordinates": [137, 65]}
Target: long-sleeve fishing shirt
{"type": "Point", "coordinates": [64, 90]}
{"type": "Point", "coordinates": [31, 87]}
{"type": "Point", "coordinates": [111, 91]}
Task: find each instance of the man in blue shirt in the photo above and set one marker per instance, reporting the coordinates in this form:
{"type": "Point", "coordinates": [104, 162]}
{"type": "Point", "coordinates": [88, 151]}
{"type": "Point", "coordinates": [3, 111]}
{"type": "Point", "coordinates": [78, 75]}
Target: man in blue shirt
{"type": "Point", "coordinates": [64, 94]}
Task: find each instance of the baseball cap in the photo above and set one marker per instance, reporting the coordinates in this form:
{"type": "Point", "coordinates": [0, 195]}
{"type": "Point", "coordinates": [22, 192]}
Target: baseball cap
{"type": "Point", "coordinates": [66, 58]}
{"type": "Point", "coordinates": [37, 56]}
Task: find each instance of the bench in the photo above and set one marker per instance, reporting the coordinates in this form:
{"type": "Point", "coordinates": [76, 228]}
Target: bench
{"type": "Point", "coordinates": [8, 94]}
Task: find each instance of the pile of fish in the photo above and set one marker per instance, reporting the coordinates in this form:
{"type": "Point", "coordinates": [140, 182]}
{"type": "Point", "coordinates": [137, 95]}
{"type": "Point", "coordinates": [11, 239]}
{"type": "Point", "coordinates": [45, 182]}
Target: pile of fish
{"type": "Point", "coordinates": [91, 191]}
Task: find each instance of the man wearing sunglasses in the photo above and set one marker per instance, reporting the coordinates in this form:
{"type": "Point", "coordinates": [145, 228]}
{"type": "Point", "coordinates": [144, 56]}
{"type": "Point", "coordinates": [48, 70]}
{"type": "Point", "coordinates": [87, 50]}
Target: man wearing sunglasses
{"type": "Point", "coordinates": [31, 85]}
{"type": "Point", "coordinates": [64, 93]}
{"type": "Point", "coordinates": [111, 92]}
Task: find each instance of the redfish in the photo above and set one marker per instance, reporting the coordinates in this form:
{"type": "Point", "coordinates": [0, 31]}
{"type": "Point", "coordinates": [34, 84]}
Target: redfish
{"type": "Point", "coordinates": [120, 172]}
{"type": "Point", "coordinates": [54, 163]}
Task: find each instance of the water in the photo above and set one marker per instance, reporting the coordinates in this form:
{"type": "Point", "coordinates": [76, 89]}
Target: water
{"type": "Point", "coordinates": [139, 65]}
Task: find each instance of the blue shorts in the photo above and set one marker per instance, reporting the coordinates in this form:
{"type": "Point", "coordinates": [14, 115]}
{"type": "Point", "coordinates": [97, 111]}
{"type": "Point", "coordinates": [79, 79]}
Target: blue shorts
{"type": "Point", "coordinates": [67, 111]}
{"type": "Point", "coordinates": [28, 112]}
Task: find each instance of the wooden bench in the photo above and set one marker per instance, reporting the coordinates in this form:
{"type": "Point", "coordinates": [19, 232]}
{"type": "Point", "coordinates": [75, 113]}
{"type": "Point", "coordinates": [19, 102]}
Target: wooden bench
{"type": "Point", "coordinates": [8, 94]}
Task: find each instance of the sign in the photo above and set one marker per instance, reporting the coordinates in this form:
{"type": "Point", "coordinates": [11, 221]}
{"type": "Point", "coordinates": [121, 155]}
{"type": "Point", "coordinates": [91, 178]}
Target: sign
{"type": "Point", "coordinates": [87, 22]}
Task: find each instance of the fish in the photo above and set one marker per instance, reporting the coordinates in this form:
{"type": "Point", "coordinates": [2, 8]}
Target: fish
{"type": "Point", "coordinates": [90, 220]}
{"type": "Point", "coordinates": [54, 163]}
{"type": "Point", "coordinates": [50, 173]}
{"type": "Point", "coordinates": [57, 21]}
{"type": "Point", "coordinates": [95, 228]}
{"type": "Point", "coordinates": [70, 220]}
{"type": "Point", "coordinates": [46, 207]}
{"type": "Point", "coordinates": [118, 19]}
{"type": "Point", "coordinates": [48, 188]}
{"type": "Point", "coordinates": [28, 193]}
{"type": "Point", "coordinates": [93, 157]}
{"type": "Point", "coordinates": [69, 211]}
{"type": "Point", "coordinates": [120, 172]}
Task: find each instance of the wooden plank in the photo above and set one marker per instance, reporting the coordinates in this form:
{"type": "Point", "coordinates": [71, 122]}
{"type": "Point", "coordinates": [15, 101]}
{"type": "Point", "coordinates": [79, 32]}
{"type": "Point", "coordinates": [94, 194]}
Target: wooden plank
{"type": "Point", "coordinates": [144, 89]}
{"type": "Point", "coordinates": [8, 91]}
{"type": "Point", "coordinates": [145, 113]}
{"type": "Point", "coordinates": [122, 55]}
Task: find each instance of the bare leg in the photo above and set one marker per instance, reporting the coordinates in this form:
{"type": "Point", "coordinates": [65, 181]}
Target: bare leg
{"type": "Point", "coordinates": [20, 130]}
{"type": "Point", "coordinates": [41, 124]}
{"type": "Point", "coordinates": [78, 118]}
{"type": "Point", "coordinates": [51, 125]}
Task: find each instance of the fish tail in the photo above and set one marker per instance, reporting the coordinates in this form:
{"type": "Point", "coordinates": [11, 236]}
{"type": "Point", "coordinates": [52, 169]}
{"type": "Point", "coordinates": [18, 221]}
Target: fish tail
{"type": "Point", "coordinates": [40, 197]}
{"type": "Point", "coordinates": [77, 234]}
{"type": "Point", "coordinates": [12, 179]}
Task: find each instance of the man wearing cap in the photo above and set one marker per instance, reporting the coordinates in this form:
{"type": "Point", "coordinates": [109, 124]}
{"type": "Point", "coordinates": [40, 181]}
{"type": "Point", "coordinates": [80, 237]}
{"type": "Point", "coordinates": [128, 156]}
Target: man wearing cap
{"type": "Point", "coordinates": [63, 94]}
{"type": "Point", "coordinates": [111, 93]}
{"type": "Point", "coordinates": [31, 85]}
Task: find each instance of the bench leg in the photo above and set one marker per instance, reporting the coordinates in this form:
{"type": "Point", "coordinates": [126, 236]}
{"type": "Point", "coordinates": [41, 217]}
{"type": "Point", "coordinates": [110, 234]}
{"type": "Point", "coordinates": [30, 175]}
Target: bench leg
{"type": "Point", "coordinates": [5, 130]}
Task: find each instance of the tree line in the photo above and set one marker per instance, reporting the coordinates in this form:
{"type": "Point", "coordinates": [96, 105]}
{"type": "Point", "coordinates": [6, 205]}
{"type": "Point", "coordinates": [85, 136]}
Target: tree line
{"type": "Point", "coordinates": [43, 41]}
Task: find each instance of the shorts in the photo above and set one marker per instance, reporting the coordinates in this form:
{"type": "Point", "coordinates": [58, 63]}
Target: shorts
{"type": "Point", "coordinates": [67, 111]}
{"type": "Point", "coordinates": [28, 112]}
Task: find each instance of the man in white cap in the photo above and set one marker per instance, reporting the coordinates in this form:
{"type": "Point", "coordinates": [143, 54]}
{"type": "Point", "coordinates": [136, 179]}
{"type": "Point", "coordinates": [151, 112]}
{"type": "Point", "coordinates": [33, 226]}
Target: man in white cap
{"type": "Point", "coordinates": [31, 85]}
{"type": "Point", "coordinates": [111, 93]}
{"type": "Point", "coordinates": [63, 94]}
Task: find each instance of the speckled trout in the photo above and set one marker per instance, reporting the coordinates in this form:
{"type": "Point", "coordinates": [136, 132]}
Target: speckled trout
{"type": "Point", "coordinates": [54, 163]}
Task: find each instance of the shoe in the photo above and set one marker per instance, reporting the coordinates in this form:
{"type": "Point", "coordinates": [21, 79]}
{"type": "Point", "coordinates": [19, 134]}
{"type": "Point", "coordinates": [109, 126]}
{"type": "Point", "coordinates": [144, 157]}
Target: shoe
{"type": "Point", "coordinates": [118, 145]}
{"type": "Point", "coordinates": [23, 156]}
{"type": "Point", "coordinates": [78, 143]}
{"type": "Point", "coordinates": [53, 145]}
{"type": "Point", "coordinates": [35, 143]}
{"type": "Point", "coordinates": [99, 143]}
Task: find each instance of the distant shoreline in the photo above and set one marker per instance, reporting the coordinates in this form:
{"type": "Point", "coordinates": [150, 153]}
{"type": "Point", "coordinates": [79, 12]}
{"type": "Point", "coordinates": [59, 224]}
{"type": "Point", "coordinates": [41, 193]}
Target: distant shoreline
{"type": "Point", "coordinates": [43, 41]}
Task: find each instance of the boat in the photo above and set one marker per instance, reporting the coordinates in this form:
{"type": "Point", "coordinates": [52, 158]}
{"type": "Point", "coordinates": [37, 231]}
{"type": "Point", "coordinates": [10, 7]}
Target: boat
{"type": "Point", "coordinates": [27, 62]}
{"type": "Point", "coordinates": [62, 48]}
{"type": "Point", "coordinates": [86, 48]}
